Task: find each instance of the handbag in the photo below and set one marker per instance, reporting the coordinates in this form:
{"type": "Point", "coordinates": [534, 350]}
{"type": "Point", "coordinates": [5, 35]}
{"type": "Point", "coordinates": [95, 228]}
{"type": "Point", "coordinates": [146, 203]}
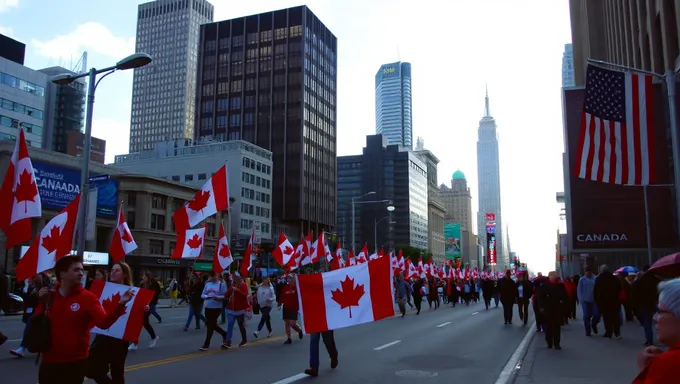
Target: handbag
{"type": "Point", "coordinates": [39, 336]}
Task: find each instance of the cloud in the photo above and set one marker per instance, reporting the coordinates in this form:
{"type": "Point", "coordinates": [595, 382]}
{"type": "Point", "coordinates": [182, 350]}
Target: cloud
{"type": "Point", "coordinates": [7, 31]}
{"type": "Point", "coordinates": [5, 5]}
{"type": "Point", "coordinates": [92, 37]}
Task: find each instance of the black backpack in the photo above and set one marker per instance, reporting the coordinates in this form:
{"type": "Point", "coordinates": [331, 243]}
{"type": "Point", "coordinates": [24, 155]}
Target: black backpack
{"type": "Point", "coordinates": [39, 336]}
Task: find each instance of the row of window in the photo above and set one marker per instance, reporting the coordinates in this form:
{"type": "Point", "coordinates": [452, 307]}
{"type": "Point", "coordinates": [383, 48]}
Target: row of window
{"type": "Point", "coordinates": [20, 108]}
{"type": "Point", "coordinates": [255, 195]}
{"type": "Point", "coordinates": [253, 164]}
{"type": "Point", "coordinates": [6, 136]}
{"type": "Point", "coordinates": [24, 85]}
{"type": "Point", "coordinates": [256, 180]}
{"type": "Point", "coordinates": [14, 123]}
{"type": "Point", "coordinates": [248, 224]}
{"type": "Point", "coordinates": [250, 209]}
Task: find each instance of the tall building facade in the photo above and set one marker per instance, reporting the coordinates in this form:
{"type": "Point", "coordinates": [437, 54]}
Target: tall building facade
{"type": "Point", "coordinates": [163, 92]}
{"type": "Point", "coordinates": [457, 201]}
{"type": "Point", "coordinates": [568, 66]}
{"type": "Point", "coordinates": [489, 184]}
{"type": "Point", "coordinates": [270, 79]}
{"type": "Point", "coordinates": [393, 106]}
{"type": "Point", "coordinates": [382, 175]}
{"type": "Point", "coordinates": [641, 34]}
{"type": "Point", "coordinates": [435, 208]}
{"type": "Point", "coordinates": [64, 110]}
{"type": "Point", "coordinates": [22, 102]}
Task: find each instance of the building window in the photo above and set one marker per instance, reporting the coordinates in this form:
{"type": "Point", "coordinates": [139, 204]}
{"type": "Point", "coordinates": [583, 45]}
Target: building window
{"type": "Point", "coordinates": [211, 230]}
{"type": "Point", "coordinates": [157, 222]}
{"type": "Point", "coordinates": [188, 177]}
{"type": "Point", "coordinates": [158, 201]}
{"type": "Point", "coordinates": [132, 199]}
{"type": "Point", "coordinates": [202, 176]}
{"type": "Point", "coordinates": [130, 219]}
{"type": "Point", "coordinates": [156, 247]}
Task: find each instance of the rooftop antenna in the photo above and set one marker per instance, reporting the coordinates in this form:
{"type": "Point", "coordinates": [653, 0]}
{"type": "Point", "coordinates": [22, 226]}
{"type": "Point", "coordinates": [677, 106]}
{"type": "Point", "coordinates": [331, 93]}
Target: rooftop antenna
{"type": "Point", "coordinates": [398, 53]}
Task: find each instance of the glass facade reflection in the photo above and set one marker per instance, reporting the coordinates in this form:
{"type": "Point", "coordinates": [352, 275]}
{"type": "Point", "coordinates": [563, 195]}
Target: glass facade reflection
{"type": "Point", "coordinates": [393, 107]}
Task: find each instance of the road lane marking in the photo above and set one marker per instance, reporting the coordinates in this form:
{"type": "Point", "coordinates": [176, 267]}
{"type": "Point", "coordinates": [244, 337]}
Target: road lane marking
{"type": "Point", "coordinates": [380, 348]}
{"type": "Point", "coordinates": [444, 324]}
{"type": "Point", "coordinates": [513, 363]}
{"type": "Point", "coordinates": [13, 340]}
{"type": "Point", "coordinates": [292, 379]}
{"type": "Point", "coordinates": [474, 313]}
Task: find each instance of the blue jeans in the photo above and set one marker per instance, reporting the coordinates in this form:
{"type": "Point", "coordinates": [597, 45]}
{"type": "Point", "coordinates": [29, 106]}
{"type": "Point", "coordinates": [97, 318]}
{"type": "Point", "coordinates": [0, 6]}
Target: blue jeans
{"type": "Point", "coordinates": [197, 313]}
{"type": "Point", "coordinates": [496, 298]}
{"type": "Point", "coordinates": [591, 316]}
{"type": "Point", "coordinates": [231, 319]}
{"type": "Point", "coordinates": [153, 312]}
{"type": "Point", "coordinates": [647, 319]}
{"type": "Point", "coordinates": [328, 341]}
{"type": "Point", "coordinates": [26, 327]}
{"type": "Point", "coordinates": [265, 319]}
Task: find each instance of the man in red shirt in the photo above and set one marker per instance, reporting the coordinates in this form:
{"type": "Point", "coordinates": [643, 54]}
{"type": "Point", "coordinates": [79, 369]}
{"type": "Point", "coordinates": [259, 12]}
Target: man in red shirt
{"type": "Point", "coordinates": [72, 312]}
{"type": "Point", "coordinates": [237, 305]}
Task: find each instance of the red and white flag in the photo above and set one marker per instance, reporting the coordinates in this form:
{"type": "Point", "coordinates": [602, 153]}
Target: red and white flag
{"type": "Point", "coordinates": [189, 243]}
{"type": "Point", "coordinates": [122, 243]}
{"type": "Point", "coordinates": [52, 243]}
{"type": "Point", "coordinates": [212, 198]}
{"type": "Point", "coordinates": [223, 258]}
{"type": "Point", "coordinates": [247, 261]}
{"type": "Point", "coordinates": [337, 262]}
{"type": "Point", "coordinates": [19, 198]}
{"type": "Point", "coordinates": [129, 326]}
{"type": "Point", "coordinates": [351, 259]}
{"type": "Point", "coordinates": [307, 250]}
{"type": "Point", "coordinates": [347, 296]}
{"type": "Point", "coordinates": [284, 251]}
{"type": "Point", "coordinates": [362, 257]}
{"type": "Point", "coordinates": [616, 143]}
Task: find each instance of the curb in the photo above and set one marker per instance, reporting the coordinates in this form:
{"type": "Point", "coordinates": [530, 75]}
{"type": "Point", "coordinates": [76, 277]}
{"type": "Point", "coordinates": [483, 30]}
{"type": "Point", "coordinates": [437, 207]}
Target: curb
{"type": "Point", "coordinates": [512, 367]}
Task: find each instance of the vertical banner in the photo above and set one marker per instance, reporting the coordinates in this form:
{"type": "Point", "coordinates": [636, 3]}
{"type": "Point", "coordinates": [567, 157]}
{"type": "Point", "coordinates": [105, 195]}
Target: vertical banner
{"type": "Point", "coordinates": [491, 248]}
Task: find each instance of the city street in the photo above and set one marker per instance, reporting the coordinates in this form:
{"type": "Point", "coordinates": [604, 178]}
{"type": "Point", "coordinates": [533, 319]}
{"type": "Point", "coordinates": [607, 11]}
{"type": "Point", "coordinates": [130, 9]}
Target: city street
{"type": "Point", "coordinates": [462, 343]}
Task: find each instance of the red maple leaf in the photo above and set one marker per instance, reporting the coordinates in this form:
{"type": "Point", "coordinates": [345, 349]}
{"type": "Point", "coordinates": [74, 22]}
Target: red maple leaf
{"type": "Point", "coordinates": [51, 241]}
{"type": "Point", "coordinates": [224, 251]}
{"type": "Point", "coordinates": [195, 242]}
{"type": "Point", "coordinates": [348, 295]}
{"type": "Point", "coordinates": [110, 305]}
{"type": "Point", "coordinates": [200, 201]}
{"type": "Point", "coordinates": [26, 189]}
{"type": "Point", "coordinates": [127, 236]}
{"type": "Point", "coordinates": [288, 250]}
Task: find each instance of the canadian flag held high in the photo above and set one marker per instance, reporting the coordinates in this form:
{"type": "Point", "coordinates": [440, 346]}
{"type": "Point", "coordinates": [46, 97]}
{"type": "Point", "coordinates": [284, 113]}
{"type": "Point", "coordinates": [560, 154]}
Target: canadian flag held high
{"type": "Point", "coordinates": [189, 243]}
{"type": "Point", "coordinates": [212, 198]}
{"type": "Point", "coordinates": [19, 198]}
{"type": "Point", "coordinates": [284, 251]}
{"type": "Point", "coordinates": [52, 243]}
{"type": "Point", "coordinates": [347, 296]}
{"type": "Point", "coordinates": [247, 261]}
{"type": "Point", "coordinates": [223, 258]}
{"type": "Point", "coordinates": [129, 325]}
{"type": "Point", "coordinates": [122, 243]}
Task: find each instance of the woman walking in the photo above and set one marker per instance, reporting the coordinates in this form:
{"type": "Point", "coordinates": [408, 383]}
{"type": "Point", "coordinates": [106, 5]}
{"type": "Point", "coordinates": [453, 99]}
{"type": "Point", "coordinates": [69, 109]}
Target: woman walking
{"type": "Point", "coordinates": [213, 294]}
{"type": "Point", "coordinates": [148, 282]}
{"type": "Point", "coordinates": [291, 307]}
{"type": "Point", "coordinates": [108, 354]}
{"type": "Point", "coordinates": [237, 306]}
{"type": "Point", "coordinates": [193, 296]}
{"type": "Point", "coordinates": [265, 299]}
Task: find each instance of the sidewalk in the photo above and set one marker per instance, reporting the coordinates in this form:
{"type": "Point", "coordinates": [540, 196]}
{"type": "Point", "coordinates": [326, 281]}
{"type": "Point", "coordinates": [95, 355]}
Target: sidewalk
{"type": "Point", "coordinates": [591, 360]}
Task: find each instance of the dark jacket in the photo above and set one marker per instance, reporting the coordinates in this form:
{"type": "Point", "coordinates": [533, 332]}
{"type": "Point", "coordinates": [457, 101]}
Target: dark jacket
{"type": "Point", "coordinates": [195, 291]}
{"type": "Point", "coordinates": [645, 293]}
{"type": "Point", "coordinates": [508, 289]}
{"type": "Point", "coordinates": [551, 298]}
{"type": "Point", "coordinates": [527, 291]}
{"type": "Point", "coordinates": [607, 290]}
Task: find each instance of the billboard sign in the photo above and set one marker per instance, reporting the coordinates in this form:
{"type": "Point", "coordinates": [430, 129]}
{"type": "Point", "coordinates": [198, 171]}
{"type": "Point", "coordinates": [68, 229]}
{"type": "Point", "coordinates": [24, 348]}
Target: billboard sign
{"type": "Point", "coordinates": [58, 186]}
{"type": "Point", "coordinates": [491, 227]}
{"type": "Point", "coordinates": [491, 248]}
{"type": "Point", "coordinates": [451, 240]}
{"type": "Point", "coordinates": [609, 216]}
{"type": "Point", "coordinates": [89, 258]}
{"type": "Point", "coordinates": [389, 70]}
{"type": "Point", "coordinates": [490, 217]}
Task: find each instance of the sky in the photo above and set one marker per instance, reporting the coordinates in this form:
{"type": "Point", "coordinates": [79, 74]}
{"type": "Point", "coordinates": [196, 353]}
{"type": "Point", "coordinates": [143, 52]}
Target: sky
{"type": "Point", "coordinates": [455, 47]}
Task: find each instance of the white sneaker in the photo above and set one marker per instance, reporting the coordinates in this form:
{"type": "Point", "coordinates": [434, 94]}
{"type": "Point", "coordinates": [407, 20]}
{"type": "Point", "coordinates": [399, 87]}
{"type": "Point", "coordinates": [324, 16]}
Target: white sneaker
{"type": "Point", "coordinates": [270, 334]}
{"type": "Point", "coordinates": [153, 342]}
{"type": "Point", "coordinates": [255, 334]}
{"type": "Point", "coordinates": [132, 347]}
{"type": "Point", "coordinates": [19, 352]}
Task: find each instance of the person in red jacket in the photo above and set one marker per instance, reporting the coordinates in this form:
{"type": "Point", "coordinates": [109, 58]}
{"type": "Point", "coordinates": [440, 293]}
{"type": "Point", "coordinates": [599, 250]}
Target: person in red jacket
{"type": "Point", "coordinates": [237, 305]}
{"type": "Point", "coordinates": [289, 300]}
{"type": "Point", "coordinates": [570, 310]}
{"type": "Point", "coordinates": [73, 312]}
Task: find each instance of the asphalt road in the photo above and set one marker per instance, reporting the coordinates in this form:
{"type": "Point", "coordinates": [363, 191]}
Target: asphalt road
{"type": "Point", "coordinates": [465, 343]}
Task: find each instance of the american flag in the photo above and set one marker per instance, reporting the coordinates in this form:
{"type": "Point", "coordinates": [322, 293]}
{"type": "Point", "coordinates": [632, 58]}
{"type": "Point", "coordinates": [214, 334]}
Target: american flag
{"type": "Point", "coordinates": [616, 144]}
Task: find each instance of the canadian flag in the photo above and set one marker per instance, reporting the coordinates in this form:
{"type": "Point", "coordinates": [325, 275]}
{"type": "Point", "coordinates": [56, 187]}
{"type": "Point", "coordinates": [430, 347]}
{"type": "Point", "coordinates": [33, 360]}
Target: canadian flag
{"type": "Point", "coordinates": [247, 261]}
{"type": "Point", "coordinates": [294, 262]}
{"type": "Point", "coordinates": [411, 269]}
{"type": "Point", "coordinates": [347, 296]}
{"type": "Point", "coordinates": [307, 250]}
{"type": "Point", "coordinates": [420, 266]}
{"type": "Point", "coordinates": [351, 259]}
{"type": "Point", "coordinates": [400, 259]}
{"type": "Point", "coordinates": [19, 198]}
{"type": "Point", "coordinates": [284, 252]}
{"type": "Point", "coordinates": [122, 243]}
{"type": "Point", "coordinates": [129, 325]}
{"type": "Point", "coordinates": [212, 198]}
{"type": "Point", "coordinates": [223, 258]}
{"type": "Point", "coordinates": [337, 262]}
{"type": "Point", "coordinates": [189, 243]}
{"type": "Point", "coordinates": [363, 255]}
{"type": "Point", "coordinates": [54, 241]}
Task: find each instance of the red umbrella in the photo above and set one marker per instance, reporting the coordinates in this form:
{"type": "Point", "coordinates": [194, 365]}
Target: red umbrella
{"type": "Point", "coordinates": [667, 267]}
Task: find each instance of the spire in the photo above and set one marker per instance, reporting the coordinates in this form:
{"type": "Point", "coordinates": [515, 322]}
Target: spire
{"type": "Point", "coordinates": [487, 112]}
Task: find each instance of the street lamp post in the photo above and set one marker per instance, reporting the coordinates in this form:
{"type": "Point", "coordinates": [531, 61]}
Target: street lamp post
{"type": "Point", "coordinates": [375, 229]}
{"type": "Point", "coordinates": [133, 61]}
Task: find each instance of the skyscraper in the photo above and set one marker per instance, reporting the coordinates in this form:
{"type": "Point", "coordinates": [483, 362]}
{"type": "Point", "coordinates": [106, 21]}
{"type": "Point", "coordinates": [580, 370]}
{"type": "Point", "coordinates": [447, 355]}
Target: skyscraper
{"type": "Point", "coordinates": [393, 111]}
{"type": "Point", "coordinates": [163, 92]}
{"type": "Point", "coordinates": [270, 79]}
{"type": "Point", "coordinates": [489, 184]}
{"type": "Point", "coordinates": [568, 66]}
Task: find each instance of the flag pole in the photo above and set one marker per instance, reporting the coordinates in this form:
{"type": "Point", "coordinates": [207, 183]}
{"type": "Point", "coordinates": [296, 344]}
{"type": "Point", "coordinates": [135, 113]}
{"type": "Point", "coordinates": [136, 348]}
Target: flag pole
{"type": "Point", "coordinates": [669, 79]}
{"type": "Point", "coordinates": [647, 226]}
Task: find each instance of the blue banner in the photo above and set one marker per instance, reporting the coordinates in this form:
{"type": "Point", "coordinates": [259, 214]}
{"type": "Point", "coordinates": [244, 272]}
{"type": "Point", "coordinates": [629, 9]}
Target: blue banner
{"type": "Point", "coordinates": [58, 186]}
